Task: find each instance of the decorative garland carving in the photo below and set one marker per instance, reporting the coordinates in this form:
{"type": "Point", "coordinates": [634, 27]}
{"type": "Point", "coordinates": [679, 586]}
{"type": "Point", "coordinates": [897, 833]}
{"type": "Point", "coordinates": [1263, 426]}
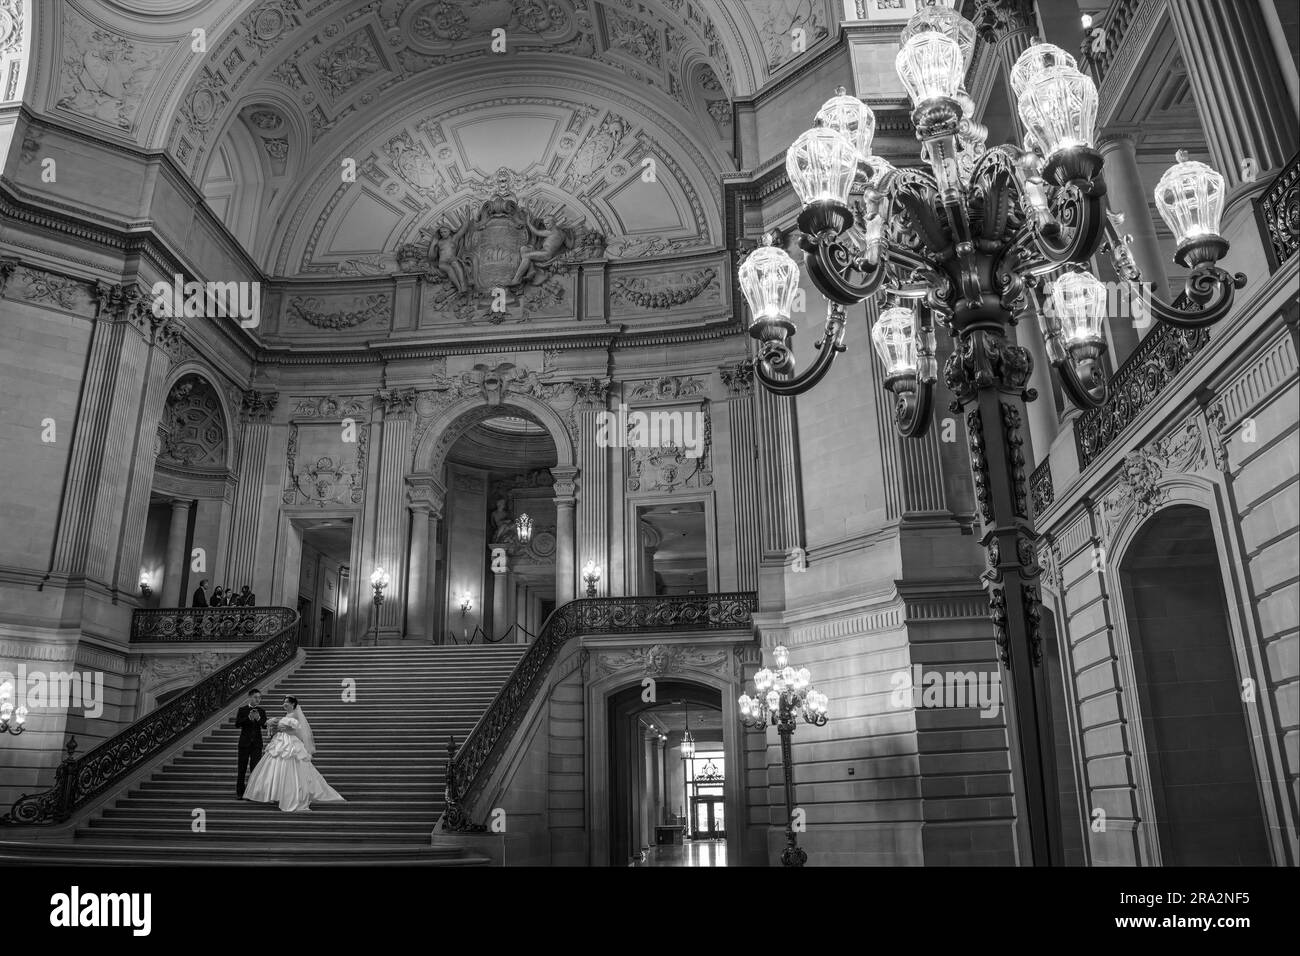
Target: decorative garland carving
{"type": "Point", "coordinates": [312, 310]}
{"type": "Point", "coordinates": [665, 291]}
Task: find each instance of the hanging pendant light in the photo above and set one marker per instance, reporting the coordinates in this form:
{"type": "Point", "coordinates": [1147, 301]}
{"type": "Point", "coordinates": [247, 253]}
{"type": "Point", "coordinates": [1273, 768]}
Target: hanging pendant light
{"type": "Point", "coordinates": [688, 742]}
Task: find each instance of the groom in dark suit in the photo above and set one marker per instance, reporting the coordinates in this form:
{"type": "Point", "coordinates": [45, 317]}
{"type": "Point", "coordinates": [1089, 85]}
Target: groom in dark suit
{"type": "Point", "coordinates": [250, 719]}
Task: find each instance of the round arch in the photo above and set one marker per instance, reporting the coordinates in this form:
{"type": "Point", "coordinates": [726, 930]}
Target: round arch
{"type": "Point", "coordinates": [193, 367]}
{"type": "Point", "coordinates": [603, 698]}
{"type": "Point", "coordinates": [459, 417]}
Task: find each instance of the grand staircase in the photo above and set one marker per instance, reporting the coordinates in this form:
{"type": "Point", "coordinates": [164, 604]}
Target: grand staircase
{"type": "Point", "coordinates": [381, 718]}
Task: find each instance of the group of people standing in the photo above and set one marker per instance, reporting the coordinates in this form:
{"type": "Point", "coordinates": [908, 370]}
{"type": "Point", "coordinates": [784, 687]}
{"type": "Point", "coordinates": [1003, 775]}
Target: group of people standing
{"type": "Point", "coordinates": [223, 597]}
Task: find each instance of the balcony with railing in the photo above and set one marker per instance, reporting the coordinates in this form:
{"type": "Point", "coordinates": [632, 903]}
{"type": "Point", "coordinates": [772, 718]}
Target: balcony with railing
{"type": "Point", "coordinates": [208, 624]}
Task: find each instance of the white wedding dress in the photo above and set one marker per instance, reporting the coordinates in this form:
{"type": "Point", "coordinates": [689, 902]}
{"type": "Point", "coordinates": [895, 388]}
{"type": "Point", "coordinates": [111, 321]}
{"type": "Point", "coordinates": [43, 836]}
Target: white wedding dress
{"type": "Point", "coordinates": [285, 774]}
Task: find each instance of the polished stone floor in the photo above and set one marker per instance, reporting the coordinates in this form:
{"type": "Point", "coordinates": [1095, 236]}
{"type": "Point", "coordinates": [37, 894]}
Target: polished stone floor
{"type": "Point", "coordinates": [690, 853]}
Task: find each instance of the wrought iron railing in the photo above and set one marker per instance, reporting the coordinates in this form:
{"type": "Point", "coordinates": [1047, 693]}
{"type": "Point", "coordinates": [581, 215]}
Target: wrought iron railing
{"type": "Point", "coordinates": [169, 625]}
{"type": "Point", "coordinates": [1041, 492]}
{"type": "Point", "coordinates": [78, 780]}
{"type": "Point", "coordinates": [1101, 41]}
{"type": "Point", "coordinates": [1157, 360]}
{"type": "Point", "coordinates": [631, 615]}
{"type": "Point", "coordinates": [1279, 209]}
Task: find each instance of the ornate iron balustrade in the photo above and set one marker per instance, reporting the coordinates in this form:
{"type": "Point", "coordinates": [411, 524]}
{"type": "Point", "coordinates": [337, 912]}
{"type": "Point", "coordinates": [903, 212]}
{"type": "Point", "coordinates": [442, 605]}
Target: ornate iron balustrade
{"type": "Point", "coordinates": [1041, 492]}
{"type": "Point", "coordinates": [649, 615]}
{"type": "Point", "coordinates": [1279, 210]}
{"type": "Point", "coordinates": [169, 625]}
{"type": "Point", "coordinates": [79, 780]}
{"type": "Point", "coordinates": [1165, 352]}
{"type": "Point", "coordinates": [1100, 49]}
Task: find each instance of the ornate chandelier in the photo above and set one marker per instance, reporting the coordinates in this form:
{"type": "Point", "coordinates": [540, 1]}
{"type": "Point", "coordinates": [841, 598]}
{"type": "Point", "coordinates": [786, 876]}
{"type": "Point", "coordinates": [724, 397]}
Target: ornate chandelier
{"type": "Point", "coordinates": [960, 244]}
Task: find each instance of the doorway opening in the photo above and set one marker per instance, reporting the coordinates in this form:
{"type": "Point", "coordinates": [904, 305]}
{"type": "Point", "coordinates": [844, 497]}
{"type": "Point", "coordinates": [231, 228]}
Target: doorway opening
{"type": "Point", "coordinates": [1198, 747]}
{"type": "Point", "coordinates": [668, 777]}
{"type": "Point", "coordinates": [323, 581]}
{"type": "Point", "coordinates": [674, 556]}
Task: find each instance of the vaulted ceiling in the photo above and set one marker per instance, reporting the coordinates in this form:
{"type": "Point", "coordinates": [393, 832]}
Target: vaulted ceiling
{"type": "Point", "coordinates": [616, 113]}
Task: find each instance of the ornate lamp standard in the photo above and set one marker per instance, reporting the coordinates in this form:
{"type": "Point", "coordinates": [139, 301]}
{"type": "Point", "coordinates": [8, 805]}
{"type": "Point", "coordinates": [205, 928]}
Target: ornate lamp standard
{"type": "Point", "coordinates": [784, 695]}
{"type": "Point", "coordinates": [591, 577]}
{"type": "Point", "coordinates": [962, 245]}
{"type": "Point", "coordinates": [379, 580]}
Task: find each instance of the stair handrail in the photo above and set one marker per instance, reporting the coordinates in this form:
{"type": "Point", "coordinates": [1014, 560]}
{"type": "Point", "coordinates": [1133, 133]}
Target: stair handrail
{"type": "Point", "coordinates": [185, 624]}
{"type": "Point", "coordinates": [611, 615]}
{"type": "Point", "coordinates": [81, 779]}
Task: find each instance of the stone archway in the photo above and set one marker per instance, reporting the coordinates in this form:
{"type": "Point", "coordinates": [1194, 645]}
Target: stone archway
{"type": "Point", "coordinates": [437, 433]}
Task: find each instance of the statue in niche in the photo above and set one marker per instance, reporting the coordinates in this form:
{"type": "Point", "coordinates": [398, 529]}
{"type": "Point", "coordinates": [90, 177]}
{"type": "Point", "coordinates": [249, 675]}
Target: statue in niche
{"type": "Point", "coordinates": [501, 518]}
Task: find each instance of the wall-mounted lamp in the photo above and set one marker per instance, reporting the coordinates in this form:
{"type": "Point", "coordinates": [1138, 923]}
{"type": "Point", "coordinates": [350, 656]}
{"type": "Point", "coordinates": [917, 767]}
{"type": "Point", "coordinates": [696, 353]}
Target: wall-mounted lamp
{"type": "Point", "coordinates": [590, 577]}
{"type": "Point", "coordinates": [524, 528]}
{"type": "Point", "coordinates": [466, 602]}
{"type": "Point", "coordinates": [145, 590]}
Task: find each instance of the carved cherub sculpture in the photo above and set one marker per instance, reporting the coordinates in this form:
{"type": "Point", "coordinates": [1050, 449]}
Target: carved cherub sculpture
{"type": "Point", "coordinates": [553, 236]}
{"type": "Point", "coordinates": [445, 248]}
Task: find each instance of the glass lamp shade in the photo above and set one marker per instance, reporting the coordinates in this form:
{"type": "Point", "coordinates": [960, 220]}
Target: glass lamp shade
{"type": "Point", "coordinates": [1190, 199]}
{"type": "Point", "coordinates": [930, 65]}
{"type": "Point", "coordinates": [746, 704]}
{"type": "Point", "coordinates": [379, 579]}
{"type": "Point", "coordinates": [773, 700]}
{"type": "Point", "coordinates": [762, 679]}
{"type": "Point", "coordinates": [1079, 306]}
{"type": "Point", "coordinates": [802, 678]}
{"type": "Point", "coordinates": [1059, 109]}
{"type": "Point", "coordinates": [945, 20]}
{"type": "Point", "coordinates": [850, 116]}
{"type": "Point", "coordinates": [822, 164]}
{"type": "Point", "coordinates": [6, 710]}
{"type": "Point", "coordinates": [1037, 60]}
{"type": "Point", "coordinates": [524, 528]}
{"type": "Point", "coordinates": [688, 745]}
{"type": "Point", "coordinates": [781, 656]}
{"type": "Point", "coordinates": [895, 341]}
{"type": "Point", "coordinates": [6, 691]}
{"type": "Point", "coordinates": [769, 279]}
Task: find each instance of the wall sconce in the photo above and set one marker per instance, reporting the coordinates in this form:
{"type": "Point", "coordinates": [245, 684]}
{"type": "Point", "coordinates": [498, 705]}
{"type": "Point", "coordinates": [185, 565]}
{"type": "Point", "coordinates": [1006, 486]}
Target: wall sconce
{"type": "Point", "coordinates": [145, 590]}
{"type": "Point", "coordinates": [590, 576]}
{"type": "Point", "coordinates": [11, 720]}
{"type": "Point", "coordinates": [466, 602]}
{"type": "Point", "coordinates": [524, 528]}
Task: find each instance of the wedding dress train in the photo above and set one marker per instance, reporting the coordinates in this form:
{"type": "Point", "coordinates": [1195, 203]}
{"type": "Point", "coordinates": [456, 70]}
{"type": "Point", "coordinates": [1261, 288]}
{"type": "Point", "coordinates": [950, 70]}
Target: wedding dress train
{"type": "Point", "coordinates": [285, 775]}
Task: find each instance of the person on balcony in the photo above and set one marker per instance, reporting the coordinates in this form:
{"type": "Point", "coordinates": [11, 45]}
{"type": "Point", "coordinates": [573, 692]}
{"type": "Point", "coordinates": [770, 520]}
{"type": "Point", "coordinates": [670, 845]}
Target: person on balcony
{"type": "Point", "coordinates": [246, 597]}
{"type": "Point", "coordinates": [200, 598]}
{"type": "Point", "coordinates": [218, 598]}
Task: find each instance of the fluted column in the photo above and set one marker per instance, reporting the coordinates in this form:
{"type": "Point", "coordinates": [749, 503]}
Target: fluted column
{"type": "Point", "coordinates": [594, 466]}
{"type": "Point", "coordinates": [739, 380]}
{"type": "Point", "coordinates": [1237, 80]}
{"type": "Point", "coordinates": [1126, 194]}
{"type": "Point", "coordinates": [256, 410]}
{"type": "Point", "coordinates": [90, 522]}
{"type": "Point", "coordinates": [425, 497]}
{"type": "Point", "coordinates": [780, 521]}
{"type": "Point", "coordinates": [1011, 26]}
{"type": "Point", "coordinates": [566, 571]}
{"type": "Point", "coordinates": [390, 505]}
{"type": "Point", "coordinates": [174, 570]}
{"type": "Point", "coordinates": [165, 342]}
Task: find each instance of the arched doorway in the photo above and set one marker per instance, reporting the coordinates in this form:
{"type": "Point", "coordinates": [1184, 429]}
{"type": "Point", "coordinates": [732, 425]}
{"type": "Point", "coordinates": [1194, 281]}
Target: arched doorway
{"type": "Point", "coordinates": [189, 511]}
{"type": "Point", "coordinates": [667, 797]}
{"type": "Point", "coordinates": [1198, 750]}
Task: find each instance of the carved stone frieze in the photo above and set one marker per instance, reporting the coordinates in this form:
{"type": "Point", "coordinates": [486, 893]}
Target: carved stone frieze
{"type": "Point", "coordinates": [666, 291]}
{"type": "Point", "coordinates": [659, 660]}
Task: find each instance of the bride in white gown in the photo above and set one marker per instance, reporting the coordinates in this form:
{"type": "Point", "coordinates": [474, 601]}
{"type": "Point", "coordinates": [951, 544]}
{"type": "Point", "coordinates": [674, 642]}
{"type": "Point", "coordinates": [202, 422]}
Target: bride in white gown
{"type": "Point", "coordinates": [285, 774]}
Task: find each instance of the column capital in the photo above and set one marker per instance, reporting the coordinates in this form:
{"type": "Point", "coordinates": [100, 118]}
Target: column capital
{"type": "Point", "coordinates": [1116, 139]}
{"type": "Point", "coordinates": [395, 401]}
{"type": "Point", "coordinates": [592, 392]}
{"type": "Point", "coordinates": [738, 378]}
{"type": "Point", "coordinates": [256, 406]}
{"type": "Point", "coordinates": [997, 20]}
{"type": "Point", "coordinates": [425, 493]}
{"type": "Point", "coordinates": [566, 484]}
